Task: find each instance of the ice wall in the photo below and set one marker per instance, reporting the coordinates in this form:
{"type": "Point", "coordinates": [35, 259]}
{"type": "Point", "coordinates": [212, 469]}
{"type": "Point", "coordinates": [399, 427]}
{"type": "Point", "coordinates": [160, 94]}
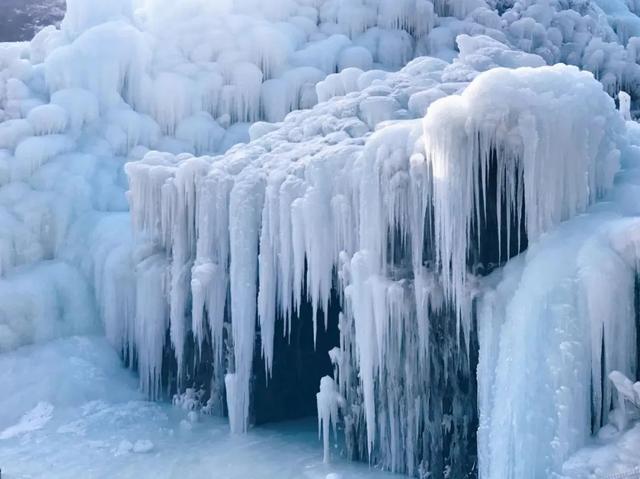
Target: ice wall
{"type": "Point", "coordinates": [552, 325]}
{"type": "Point", "coordinates": [581, 283]}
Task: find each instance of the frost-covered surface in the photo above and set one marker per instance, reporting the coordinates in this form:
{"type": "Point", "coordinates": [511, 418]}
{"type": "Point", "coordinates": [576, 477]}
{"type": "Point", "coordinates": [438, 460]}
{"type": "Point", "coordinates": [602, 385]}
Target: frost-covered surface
{"type": "Point", "coordinates": [78, 413]}
{"type": "Point", "coordinates": [428, 143]}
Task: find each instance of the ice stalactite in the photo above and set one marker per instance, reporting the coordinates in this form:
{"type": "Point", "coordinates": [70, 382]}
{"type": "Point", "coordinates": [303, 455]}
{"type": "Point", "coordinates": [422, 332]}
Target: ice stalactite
{"type": "Point", "coordinates": [551, 163]}
{"type": "Point", "coordinates": [246, 201]}
{"type": "Point", "coordinates": [625, 105]}
{"type": "Point", "coordinates": [151, 322]}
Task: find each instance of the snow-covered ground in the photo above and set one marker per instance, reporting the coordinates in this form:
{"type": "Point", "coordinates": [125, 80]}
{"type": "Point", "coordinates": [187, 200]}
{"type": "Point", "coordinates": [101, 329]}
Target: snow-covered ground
{"type": "Point", "coordinates": [69, 409]}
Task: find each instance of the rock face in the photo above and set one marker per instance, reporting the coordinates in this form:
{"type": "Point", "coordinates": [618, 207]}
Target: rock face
{"type": "Point", "coordinates": [21, 19]}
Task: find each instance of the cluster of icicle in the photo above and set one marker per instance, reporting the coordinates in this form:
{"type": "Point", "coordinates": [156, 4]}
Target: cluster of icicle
{"type": "Point", "coordinates": [312, 207]}
{"type": "Point", "coordinates": [77, 102]}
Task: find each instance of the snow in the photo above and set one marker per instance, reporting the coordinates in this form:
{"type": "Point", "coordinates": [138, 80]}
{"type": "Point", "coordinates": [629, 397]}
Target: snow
{"type": "Point", "coordinates": [606, 458]}
{"type": "Point", "coordinates": [612, 452]}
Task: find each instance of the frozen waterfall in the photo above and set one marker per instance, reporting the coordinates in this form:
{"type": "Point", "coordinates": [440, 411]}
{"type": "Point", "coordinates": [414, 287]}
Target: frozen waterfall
{"type": "Point", "coordinates": [416, 219]}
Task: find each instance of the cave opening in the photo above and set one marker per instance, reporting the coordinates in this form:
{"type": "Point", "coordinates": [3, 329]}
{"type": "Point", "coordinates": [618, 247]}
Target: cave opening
{"type": "Point", "coordinates": [289, 392]}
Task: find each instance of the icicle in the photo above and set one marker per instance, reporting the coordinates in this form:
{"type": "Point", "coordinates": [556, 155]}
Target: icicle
{"type": "Point", "coordinates": [360, 295]}
{"type": "Point", "coordinates": [268, 280]}
{"type": "Point", "coordinates": [329, 403]}
{"type": "Point", "coordinates": [212, 256]}
{"type": "Point", "coordinates": [246, 202]}
{"type": "Point", "coordinates": [461, 132]}
{"type": "Point", "coordinates": [625, 105]}
{"type": "Point", "coordinates": [151, 321]}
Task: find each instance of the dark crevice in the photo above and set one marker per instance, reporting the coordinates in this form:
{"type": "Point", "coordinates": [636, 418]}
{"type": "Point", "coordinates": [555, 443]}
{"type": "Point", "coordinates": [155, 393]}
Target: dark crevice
{"type": "Point", "coordinates": [290, 392]}
{"type": "Point", "coordinates": [491, 244]}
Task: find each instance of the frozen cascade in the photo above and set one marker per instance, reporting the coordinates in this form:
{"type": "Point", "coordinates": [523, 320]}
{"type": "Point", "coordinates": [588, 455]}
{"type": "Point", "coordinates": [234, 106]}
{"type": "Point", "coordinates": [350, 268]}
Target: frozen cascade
{"type": "Point", "coordinates": [367, 208]}
{"type": "Point", "coordinates": [289, 193]}
{"type": "Point", "coordinates": [394, 188]}
{"type": "Point", "coordinates": [587, 300]}
{"type": "Point", "coordinates": [69, 123]}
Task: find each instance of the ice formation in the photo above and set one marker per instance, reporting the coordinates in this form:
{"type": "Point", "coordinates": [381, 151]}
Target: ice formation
{"type": "Point", "coordinates": [365, 232]}
{"type": "Point", "coordinates": [329, 403]}
{"type": "Point", "coordinates": [362, 164]}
